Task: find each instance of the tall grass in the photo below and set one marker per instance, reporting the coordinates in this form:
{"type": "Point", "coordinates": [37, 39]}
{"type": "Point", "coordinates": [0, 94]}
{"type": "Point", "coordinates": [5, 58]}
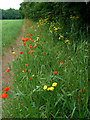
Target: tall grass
{"type": "Point", "coordinates": [10, 31]}
{"type": "Point", "coordinates": [52, 61]}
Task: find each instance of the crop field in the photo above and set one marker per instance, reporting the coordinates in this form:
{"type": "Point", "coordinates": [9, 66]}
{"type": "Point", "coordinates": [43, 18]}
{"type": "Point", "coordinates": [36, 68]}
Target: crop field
{"type": "Point", "coordinates": [10, 31]}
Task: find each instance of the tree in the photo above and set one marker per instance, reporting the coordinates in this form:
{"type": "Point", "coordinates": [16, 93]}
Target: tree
{"type": "Point", "coordinates": [11, 14]}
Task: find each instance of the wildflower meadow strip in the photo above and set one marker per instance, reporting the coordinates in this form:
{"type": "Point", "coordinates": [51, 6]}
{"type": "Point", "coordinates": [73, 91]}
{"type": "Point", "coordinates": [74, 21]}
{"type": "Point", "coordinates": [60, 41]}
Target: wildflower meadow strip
{"type": "Point", "coordinates": [50, 76]}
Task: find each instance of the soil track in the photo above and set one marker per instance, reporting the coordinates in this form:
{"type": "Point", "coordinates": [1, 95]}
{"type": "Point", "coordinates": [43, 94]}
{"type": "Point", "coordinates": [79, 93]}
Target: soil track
{"type": "Point", "coordinates": [8, 57]}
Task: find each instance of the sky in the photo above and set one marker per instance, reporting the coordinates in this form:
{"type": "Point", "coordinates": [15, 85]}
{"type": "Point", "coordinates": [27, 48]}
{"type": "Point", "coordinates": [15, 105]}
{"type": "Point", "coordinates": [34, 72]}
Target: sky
{"type": "Point", "coordinates": [6, 4]}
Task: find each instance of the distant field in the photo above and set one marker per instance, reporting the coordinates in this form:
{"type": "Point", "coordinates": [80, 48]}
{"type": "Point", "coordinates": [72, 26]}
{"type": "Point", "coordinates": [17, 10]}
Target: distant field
{"type": "Point", "coordinates": [10, 31]}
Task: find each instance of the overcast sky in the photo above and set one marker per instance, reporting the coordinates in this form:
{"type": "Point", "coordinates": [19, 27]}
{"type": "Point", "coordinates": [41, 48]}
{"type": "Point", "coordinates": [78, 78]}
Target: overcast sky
{"type": "Point", "coordinates": [6, 4]}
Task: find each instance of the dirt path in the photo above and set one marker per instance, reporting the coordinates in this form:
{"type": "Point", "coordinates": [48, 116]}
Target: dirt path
{"type": "Point", "coordinates": [7, 58]}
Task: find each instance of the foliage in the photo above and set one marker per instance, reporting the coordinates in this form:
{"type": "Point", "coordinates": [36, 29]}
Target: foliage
{"type": "Point", "coordinates": [57, 10]}
{"type": "Point", "coordinates": [11, 14]}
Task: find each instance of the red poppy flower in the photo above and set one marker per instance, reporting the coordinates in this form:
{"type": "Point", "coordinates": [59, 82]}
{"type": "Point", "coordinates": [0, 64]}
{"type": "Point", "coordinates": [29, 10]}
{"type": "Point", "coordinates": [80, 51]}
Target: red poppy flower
{"type": "Point", "coordinates": [24, 69]}
{"type": "Point", "coordinates": [24, 29]}
{"type": "Point", "coordinates": [21, 52]}
{"type": "Point", "coordinates": [71, 85]}
{"type": "Point", "coordinates": [72, 58]}
{"type": "Point", "coordinates": [31, 51]}
{"type": "Point", "coordinates": [29, 78]}
{"type": "Point", "coordinates": [7, 70]}
{"type": "Point", "coordinates": [22, 103]}
{"type": "Point", "coordinates": [30, 46]}
{"type": "Point", "coordinates": [26, 35]}
{"type": "Point", "coordinates": [44, 53]}
{"type": "Point", "coordinates": [25, 26]}
{"type": "Point", "coordinates": [24, 44]}
{"type": "Point", "coordinates": [32, 27]}
{"type": "Point", "coordinates": [25, 39]}
{"type": "Point", "coordinates": [26, 65]}
{"type": "Point", "coordinates": [31, 34]}
{"type": "Point", "coordinates": [80, 91]}
{"type": "Point", "coordinates": [6, 89]}
{"type": "Point", "coordinates": [4, 95]}
{"type": "Point", "coordinates": [42, 43]}
{"type": "Point", "coordinates": [61, 62]}
{"type": "Point", "coordinates": [35, 45]}
{"type": "Point", "coordinates": [30, 38]}
{"type": "Point", "coordinates": [14, 55]}
{"type": "Point", "coordinates": [55, 72]}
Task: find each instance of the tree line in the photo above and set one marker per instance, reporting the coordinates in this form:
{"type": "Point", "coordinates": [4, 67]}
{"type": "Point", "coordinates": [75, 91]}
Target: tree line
{"type": "Point", "coordinates": [56, 10]}
{"type": "Point", "coordinates": [11, 14]}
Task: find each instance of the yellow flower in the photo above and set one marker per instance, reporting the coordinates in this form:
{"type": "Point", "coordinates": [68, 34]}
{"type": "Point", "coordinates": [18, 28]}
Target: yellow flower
{"type": "Point", "coordinates": [73, 17]}
{"type": "Point", "coordinates": [60, 36]}
{"type": "Point", "coordinates": [33, 75]}
{"type": "Point", "coordinates": [54, 84]}
{"type": "Point", "coordinates": [50, 31]}
{"type": "Point", "coordinates": [45, 87]}
{"type": "Point", "coordinates": [13, 52]}
{"type": "Point", "coordinates": [56, 28]}
{"type": "Point", "coordinates": [37, 38]}
{"type": "Point", "coordinates": [39, 20]}
{"type": "Point", "coordinates": [50, 88]}
{"type": "Point", "coordinates": [67, 41]}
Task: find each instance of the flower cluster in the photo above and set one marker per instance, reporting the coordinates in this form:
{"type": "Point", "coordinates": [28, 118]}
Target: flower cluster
{"type": "Point", "coordinates": [74, 17]}
{"type": "Point", "coordinates": [4, 95]}
{"type": "Point", "coordinates": [50, 88]}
